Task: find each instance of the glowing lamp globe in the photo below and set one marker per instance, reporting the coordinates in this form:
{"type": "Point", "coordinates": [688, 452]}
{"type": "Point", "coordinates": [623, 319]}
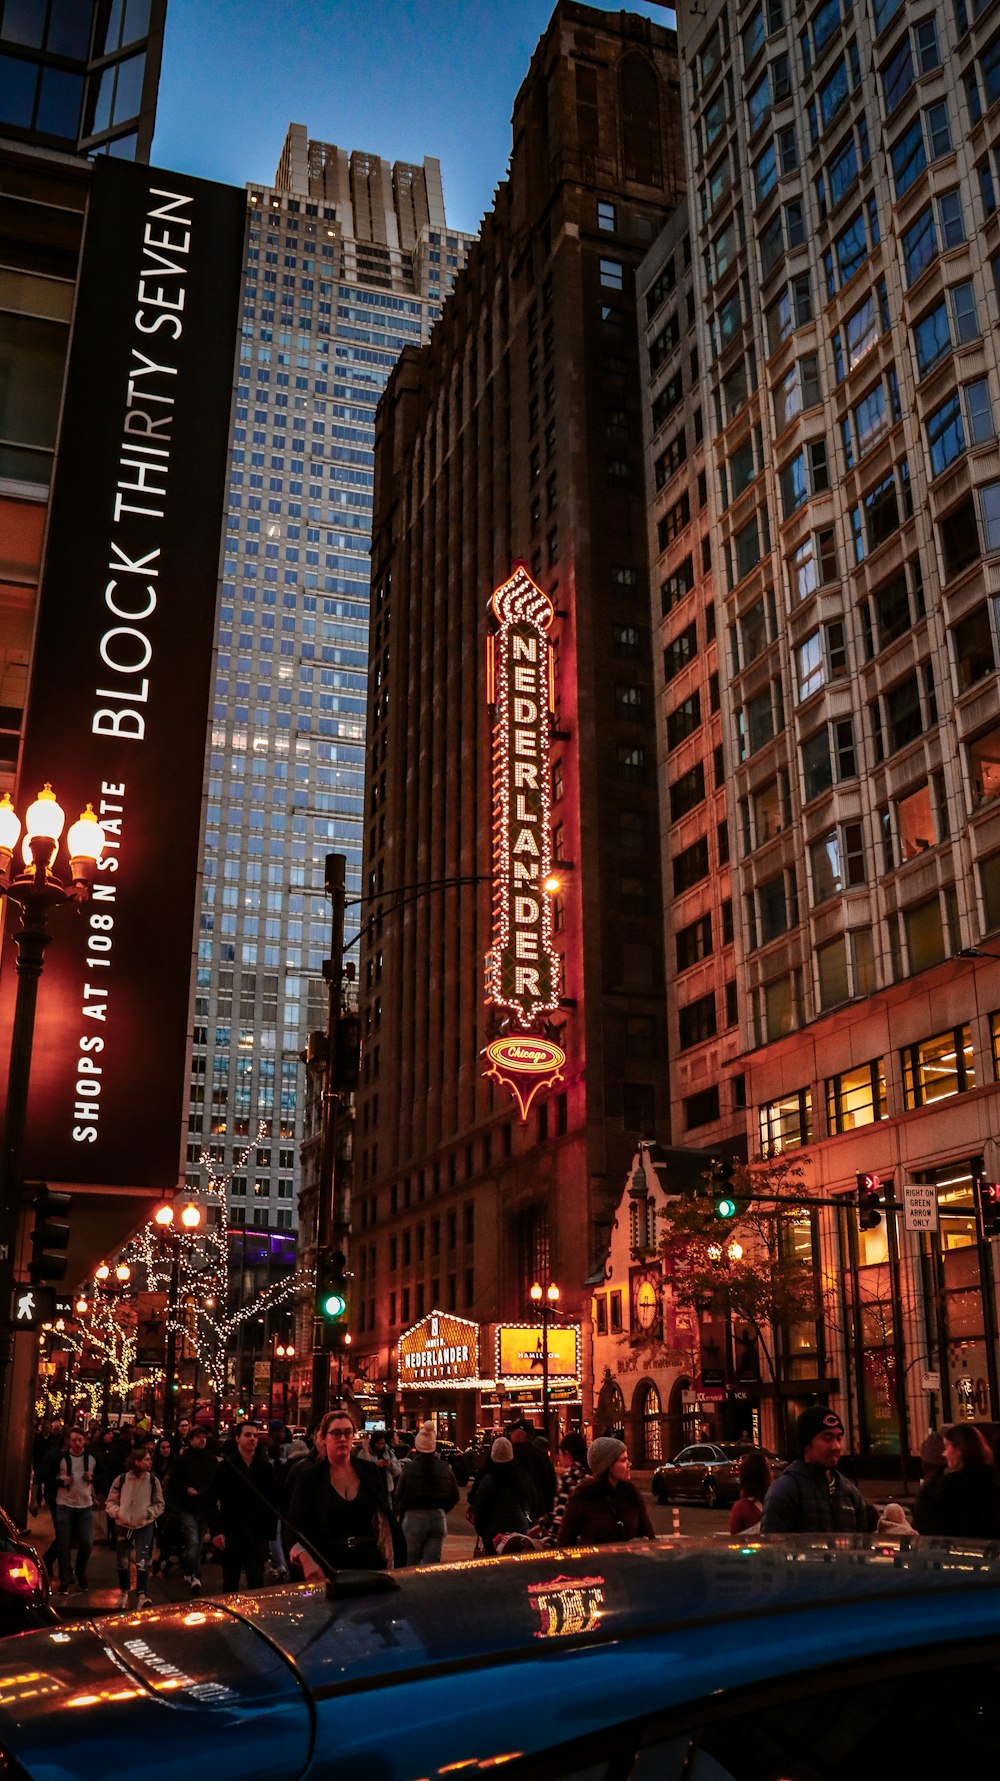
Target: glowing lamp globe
{"type": "Point", "coordinates": [10, 825]}
{"type": "Point", "coordinates": [43, 823]}
{"type": "Point", "coordinates": [85, 838]}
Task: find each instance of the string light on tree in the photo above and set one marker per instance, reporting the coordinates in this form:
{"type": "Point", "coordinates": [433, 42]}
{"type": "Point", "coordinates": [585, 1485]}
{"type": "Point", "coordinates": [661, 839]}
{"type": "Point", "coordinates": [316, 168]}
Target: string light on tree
{"type": "Point", "coordinates": [202, 1313]}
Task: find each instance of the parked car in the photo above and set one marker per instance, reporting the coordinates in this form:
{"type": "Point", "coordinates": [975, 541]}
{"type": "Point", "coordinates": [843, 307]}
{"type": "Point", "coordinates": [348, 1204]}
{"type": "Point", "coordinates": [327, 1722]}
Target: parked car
{"type": "Point", "coordinates": [24, 1585]}
{"type": "Point", "coordinates": [820, 1657]}
{"type": "Point", "coordinates": [708, 1471]}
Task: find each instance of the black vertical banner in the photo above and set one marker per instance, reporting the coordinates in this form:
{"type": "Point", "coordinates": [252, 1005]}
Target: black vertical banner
{"type": "Point", "coordinates": [118, 705]}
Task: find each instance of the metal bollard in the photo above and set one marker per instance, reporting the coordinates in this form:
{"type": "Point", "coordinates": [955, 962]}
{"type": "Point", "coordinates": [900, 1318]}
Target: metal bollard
{"type": "Point", "coordinates": [676, 1520]}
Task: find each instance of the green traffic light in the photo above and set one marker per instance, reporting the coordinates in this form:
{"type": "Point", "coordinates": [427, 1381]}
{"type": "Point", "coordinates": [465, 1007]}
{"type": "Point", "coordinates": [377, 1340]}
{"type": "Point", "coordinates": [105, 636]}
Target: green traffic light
{"type": "Point", "coordinates": [333, 1305]}
{"type": "Point", "coordinates": [725, 1208]}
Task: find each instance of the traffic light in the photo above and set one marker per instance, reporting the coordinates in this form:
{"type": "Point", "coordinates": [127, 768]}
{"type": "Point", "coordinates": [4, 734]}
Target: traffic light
{"type": "Point", "coordinates": [48, 1232]}
{"type": "Point", "coordinates": [331, 1286]}
{"type": "Point", "coordinates": [347, 1054]}
{"type": "Point", "coordinates": [987, 1207]}
{"type": "Point", "coordinates": [869, 1190]}
{"type": "Point", "coordinates": [725, 1204]}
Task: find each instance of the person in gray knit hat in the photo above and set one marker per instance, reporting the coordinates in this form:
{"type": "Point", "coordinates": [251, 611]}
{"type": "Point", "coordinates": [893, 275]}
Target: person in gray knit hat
{"type": "Point", "coordinates": [607, 1506]}
{"type": "Point", "coordinates": [499, 1498]}
{"type": "Point", "coordinates": [426, 1491]}
{"type": "Point", "coordinates": [811, 1496]}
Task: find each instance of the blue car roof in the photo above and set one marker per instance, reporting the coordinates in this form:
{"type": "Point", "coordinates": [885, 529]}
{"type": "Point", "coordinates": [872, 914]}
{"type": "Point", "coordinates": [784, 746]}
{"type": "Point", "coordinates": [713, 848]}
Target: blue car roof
{"type": "Point", "coordinates": [286, 1683]}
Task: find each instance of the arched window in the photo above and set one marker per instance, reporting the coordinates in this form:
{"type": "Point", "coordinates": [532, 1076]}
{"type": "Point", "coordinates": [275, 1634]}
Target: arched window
{"type": "Point", "coordinates": [650, 1409]}
{"type": "Point", "coordinates": [640, 109]}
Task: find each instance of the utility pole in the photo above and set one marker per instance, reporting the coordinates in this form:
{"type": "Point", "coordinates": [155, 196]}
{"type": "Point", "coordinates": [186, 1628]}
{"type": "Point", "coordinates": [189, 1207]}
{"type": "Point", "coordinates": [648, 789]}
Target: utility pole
{"type": "Point", "coordinates": [330, 1219]}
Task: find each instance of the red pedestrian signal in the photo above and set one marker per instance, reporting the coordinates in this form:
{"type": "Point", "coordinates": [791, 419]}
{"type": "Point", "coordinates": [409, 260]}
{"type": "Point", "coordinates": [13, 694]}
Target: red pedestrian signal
{"type": "Point", "coordinates": [987, 1195]}
{"type": "Point", "coordinates": [869, 1201]}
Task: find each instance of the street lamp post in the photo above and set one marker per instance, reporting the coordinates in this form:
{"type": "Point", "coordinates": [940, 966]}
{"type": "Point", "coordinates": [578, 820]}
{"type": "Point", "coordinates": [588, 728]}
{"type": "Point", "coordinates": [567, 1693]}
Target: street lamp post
{"type": "Point", "coordinates": [163, 1218]}
{"type": "Point", "coordinates": [102, 1276]}
{"type": "Point", "coordinates": [545, 1301]}
{"type": "Point", "coordinates": [35, 889]}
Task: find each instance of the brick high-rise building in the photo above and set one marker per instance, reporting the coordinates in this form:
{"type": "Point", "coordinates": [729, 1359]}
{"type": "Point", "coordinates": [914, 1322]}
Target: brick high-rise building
{"type": "Point", "coordinates": [516, 434]}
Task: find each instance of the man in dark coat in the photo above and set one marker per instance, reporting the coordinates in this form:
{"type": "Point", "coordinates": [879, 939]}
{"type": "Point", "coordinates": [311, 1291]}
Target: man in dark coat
{"type": "Point", "coordinates": [535, 1467]}
{"type": "Point", "coordinates": [191, 1492]}
{"type": "Point", "coordinates": [811, 1496]}
{"type": "Point", "coordinates": [244, 1515]}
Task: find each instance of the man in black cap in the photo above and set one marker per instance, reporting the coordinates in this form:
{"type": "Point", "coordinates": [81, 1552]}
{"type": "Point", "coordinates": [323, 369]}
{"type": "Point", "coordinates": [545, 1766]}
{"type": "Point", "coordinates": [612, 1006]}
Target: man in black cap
{"type": "Point", "coordinates": [811, 1496]}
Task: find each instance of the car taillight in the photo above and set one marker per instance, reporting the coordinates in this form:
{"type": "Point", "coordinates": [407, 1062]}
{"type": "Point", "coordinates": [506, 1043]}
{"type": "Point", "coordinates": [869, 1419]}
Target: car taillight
{"type": "Point", "coordinates": [19, 1574]}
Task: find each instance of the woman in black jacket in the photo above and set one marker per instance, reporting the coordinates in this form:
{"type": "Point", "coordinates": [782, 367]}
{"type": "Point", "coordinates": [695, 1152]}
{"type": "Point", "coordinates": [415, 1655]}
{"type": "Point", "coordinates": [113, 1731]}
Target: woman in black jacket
{"type": "Point", "coordinates": [499, 1497]}
{"type": "Point", "coordinates": [965, 1500]}
{"type": "Point", "coordinates": [339, 1518]}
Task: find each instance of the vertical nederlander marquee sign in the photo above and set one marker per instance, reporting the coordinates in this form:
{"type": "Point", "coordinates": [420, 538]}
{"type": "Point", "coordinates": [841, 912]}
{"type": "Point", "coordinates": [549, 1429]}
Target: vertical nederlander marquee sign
{"type": "Point", "coordinates": [522, 966]}
{"type": "Point", "coordinates": [119, 694]}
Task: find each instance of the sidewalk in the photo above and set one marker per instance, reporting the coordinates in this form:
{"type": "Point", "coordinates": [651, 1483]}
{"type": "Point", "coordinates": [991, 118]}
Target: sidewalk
{"type": "Point", "coordinates": [102, 1572]}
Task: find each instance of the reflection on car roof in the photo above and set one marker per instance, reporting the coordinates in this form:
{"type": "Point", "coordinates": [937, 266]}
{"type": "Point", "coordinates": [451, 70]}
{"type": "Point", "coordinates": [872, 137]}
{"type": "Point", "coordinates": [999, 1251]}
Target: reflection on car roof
{"type": "Point", "coordinates": [489, 1608]}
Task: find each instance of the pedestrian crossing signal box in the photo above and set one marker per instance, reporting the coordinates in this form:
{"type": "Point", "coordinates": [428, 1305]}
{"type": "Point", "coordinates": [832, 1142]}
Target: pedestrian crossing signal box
{"type": "Point", "coordinates": [31, 1306]}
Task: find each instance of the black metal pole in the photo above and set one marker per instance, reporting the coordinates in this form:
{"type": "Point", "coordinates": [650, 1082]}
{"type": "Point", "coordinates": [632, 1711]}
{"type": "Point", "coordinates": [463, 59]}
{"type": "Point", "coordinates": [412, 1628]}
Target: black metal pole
{"type": "Point", "coordinates": [330, 1217]}
{"type": "Point", "coordinates": [989, 1321]}
{"type": "Point", "coordinates": [31, 939]}
{"type": "Point", "coordinates": [857, 1333]}
{"type": "Point", "coordinates": [898, 1345]}
{"type": "Point", "coordinates": [546, 1314]}
{"type": "Point", "coordinates": [171, 1362]}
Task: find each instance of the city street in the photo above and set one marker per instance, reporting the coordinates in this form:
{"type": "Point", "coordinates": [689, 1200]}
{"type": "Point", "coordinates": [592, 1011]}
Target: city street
{"type": "Point", "coordinates": [102, 1596]}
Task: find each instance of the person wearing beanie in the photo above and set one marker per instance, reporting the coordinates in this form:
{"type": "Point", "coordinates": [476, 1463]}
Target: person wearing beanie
{"type": "Point", "coordinates": [811, 1496]}
{"type": "Point", "coordinates": [499, 1498]}
{"type": "Point", "coordinates": [380, 1453]}
{"type": "Point", "coordinates": [607, 1506]}
{"type": "Point", "coordinates": [424, 1494]}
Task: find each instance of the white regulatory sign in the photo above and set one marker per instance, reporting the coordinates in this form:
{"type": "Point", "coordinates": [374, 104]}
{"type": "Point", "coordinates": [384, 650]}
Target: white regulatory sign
{"type": "Point", "coordinates": [920, 1206]}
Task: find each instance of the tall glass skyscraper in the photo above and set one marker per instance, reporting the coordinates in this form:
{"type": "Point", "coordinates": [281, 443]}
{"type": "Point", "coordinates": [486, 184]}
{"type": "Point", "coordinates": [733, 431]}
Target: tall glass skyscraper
{"type": "Point", "coordinates": [347, 260]}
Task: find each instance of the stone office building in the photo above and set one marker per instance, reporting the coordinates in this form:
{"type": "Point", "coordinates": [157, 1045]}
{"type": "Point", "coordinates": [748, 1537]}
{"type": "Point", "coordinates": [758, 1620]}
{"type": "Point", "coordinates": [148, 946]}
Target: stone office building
{"type": "Point", "coordinates": [846, 245]}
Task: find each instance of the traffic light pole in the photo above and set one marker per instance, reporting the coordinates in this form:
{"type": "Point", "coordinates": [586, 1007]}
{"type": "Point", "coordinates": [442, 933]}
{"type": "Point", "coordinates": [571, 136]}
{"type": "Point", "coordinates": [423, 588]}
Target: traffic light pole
{"type": "Point", "coordinates": [329, 1216]}
{"type": "Point", "coordinates": [30, 939]}
{"type": "Point", "coordinates": [898, 1345]}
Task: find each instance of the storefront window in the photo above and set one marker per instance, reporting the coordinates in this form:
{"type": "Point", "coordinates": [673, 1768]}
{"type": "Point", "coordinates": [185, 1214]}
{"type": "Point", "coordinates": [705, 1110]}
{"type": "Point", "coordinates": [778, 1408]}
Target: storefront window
{"type": "Point", "coordinates": [960, 1327]}
{"type": "Point", "coordinates": [801, 1340]}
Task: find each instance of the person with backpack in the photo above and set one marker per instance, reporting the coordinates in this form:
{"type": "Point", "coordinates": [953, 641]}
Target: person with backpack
{"type": "Point", "coordinates": [427, 1489]}
{"type": "Point", "coordinates": [135, 1503]}
{"type": "Point", "coordinates": [71, 1473]}
{"type": "Point", "coordinates": [500, 1499]}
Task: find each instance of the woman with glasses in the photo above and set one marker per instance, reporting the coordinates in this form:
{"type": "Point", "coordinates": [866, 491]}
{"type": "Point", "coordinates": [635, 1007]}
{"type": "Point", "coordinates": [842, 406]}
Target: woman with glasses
{"type": "Point", "coordinates": [339, 1518]}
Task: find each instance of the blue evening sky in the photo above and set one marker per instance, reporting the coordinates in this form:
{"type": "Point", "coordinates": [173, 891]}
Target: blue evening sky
{"type": "Point", "coordinates": [398, 78]}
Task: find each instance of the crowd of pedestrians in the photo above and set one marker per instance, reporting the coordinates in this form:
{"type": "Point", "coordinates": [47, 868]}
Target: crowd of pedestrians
{"type": "Point", "coordinates": [268, 1507]}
